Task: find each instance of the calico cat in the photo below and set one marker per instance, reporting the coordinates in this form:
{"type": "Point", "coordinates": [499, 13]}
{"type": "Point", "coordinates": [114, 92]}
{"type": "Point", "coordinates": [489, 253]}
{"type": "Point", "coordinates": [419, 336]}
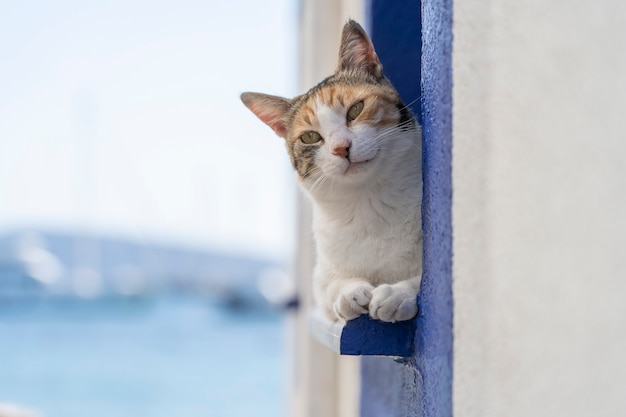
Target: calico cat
{"type": "Point", "coordinates": [356, 149]}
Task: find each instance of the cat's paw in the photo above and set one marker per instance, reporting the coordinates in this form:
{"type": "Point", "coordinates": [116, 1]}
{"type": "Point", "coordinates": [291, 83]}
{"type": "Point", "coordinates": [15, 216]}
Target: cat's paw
{"type": "Point", "coordinates": [353, 301]}
{"type": "Point", "coordinates": [391, 303]}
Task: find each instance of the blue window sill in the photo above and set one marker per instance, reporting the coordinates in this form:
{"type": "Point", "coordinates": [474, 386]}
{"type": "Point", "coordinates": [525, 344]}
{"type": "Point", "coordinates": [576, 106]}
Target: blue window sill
{"type": "Point", "coordinates": [365, 336]}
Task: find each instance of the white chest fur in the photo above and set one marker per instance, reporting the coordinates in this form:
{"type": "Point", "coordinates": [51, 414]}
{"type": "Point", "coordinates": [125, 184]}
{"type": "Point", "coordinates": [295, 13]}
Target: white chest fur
{"type": "Point", "coordinates": [365, 235]}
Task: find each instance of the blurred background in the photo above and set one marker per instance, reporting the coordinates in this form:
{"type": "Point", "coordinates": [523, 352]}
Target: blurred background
{"type": "Point", "coordinates": [146, 216]}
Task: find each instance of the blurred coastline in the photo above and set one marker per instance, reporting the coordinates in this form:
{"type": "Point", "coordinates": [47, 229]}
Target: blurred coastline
{"type": "Point", "coordinates": [36, 265]}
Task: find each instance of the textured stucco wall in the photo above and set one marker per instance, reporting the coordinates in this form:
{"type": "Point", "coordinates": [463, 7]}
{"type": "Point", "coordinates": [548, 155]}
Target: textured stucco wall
{"type": "Point", "coordinates": [539, 174]}
{"type": "Point", "coordinates": [434, 336]}
{"type": "Point", "coordinates": [421, 387]}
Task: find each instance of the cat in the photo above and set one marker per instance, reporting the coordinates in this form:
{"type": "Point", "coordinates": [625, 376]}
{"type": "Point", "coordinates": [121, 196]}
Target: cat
{"type": "Point", "coordinates": [356, 149]}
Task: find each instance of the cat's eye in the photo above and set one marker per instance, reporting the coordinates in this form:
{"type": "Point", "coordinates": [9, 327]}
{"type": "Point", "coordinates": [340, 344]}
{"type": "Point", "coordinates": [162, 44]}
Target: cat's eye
{"type": "Point", "coordinates": [354, 111]}
{"type": "Point", "coordinates": [310, 137]}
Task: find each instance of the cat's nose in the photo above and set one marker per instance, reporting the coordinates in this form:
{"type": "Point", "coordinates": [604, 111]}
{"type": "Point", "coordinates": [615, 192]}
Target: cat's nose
{"type": "Point", "coordinates": [342, 151]}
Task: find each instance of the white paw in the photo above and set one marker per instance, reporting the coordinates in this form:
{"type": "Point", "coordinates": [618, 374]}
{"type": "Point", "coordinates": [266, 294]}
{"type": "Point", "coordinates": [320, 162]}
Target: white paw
{"type": "Point", "coordinates": [392, 304]}
{"type": "Point", "coordinates": [353, 301]}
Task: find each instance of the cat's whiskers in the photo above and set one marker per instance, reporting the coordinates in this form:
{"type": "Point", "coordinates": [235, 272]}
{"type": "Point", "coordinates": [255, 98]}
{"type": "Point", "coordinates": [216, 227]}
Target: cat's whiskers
{"type": "Point", "coordinates": [410, 104]}
{"type": "Point", "coordinates": [380, 140]}
{"type": "Point", "coordinates": [320, 183]}
{"type": "Point", "coordinates": [385, 133]}
{"type": "Point", "coordinates": [315, 174]}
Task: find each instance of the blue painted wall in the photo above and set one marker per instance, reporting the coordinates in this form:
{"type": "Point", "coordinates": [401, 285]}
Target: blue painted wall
{"type": "Point", "coordinates": [434, 337]}
{"type": "Point", "coordinates": [423, 386]}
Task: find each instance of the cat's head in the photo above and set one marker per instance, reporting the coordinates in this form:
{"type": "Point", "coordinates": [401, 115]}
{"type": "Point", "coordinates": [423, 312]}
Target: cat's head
{"type": "Point", "coordinates": [345, 128]}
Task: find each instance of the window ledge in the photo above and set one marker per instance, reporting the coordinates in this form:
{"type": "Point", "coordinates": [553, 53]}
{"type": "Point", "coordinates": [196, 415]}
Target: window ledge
{"type": "Point", "coordinates": [364, 336]}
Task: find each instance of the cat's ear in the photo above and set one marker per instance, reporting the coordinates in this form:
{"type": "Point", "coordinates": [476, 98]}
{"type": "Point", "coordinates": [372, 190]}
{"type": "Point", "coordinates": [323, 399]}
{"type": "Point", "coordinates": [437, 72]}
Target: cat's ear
{"type": "Point", "coordinates": [270, 109]}
{"type": "Point", "coordinates": [357, 51]}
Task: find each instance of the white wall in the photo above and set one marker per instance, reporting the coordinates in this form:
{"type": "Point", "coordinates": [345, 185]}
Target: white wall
{"type": "Point", "coordinates": [539, 177]}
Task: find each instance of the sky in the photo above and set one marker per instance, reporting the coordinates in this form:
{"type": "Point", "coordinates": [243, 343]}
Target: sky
{"type": "Point", "coordinates": [123, 118]}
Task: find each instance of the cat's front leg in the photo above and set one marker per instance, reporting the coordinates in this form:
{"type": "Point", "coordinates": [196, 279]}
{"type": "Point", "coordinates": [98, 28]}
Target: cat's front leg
{"type": "Point", "coordinates": [395, 302]}
{"type": "Point", "coordinates": [347, 299]}
{"type": "Point", "coordinates": [352, 299]}
{"type": "Point", "coordinates": [340, 298]}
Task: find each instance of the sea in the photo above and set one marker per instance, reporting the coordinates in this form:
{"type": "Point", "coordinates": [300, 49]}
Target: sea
{"type": "Point", "coordinates": [161, 356]}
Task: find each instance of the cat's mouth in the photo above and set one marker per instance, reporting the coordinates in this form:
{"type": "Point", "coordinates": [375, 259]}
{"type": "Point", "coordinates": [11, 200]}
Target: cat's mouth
{"type": "Point", "coordinates": [357, 166]}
